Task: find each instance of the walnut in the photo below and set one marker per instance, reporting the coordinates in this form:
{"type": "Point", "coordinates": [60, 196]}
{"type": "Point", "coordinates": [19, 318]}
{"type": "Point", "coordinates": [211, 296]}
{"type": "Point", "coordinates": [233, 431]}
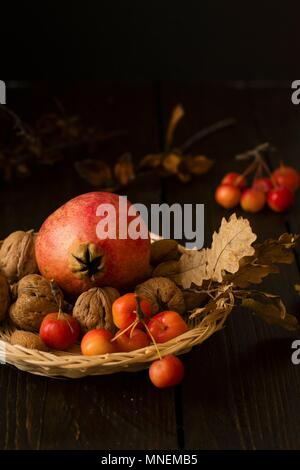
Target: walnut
{"type": "Point", "coordinates": [93, 309]}
{"type": "Point", "coordinates": [17, 257]}
{"type": "Point", "coordinates": [4, 296]}
{"type": "Point", "coordinates": [35, 300]}
{"type": "Point", "coordinates": [162, 293]}
{"type": "Point", "coordinates": [163, 250]}
{"type": "Point", "coordinates": [28, 340]}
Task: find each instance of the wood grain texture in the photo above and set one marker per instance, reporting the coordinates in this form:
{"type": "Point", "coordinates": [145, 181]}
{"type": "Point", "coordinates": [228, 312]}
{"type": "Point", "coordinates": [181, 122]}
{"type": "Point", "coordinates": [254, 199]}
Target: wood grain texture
{"type": "Point", "coordinates": [241, 389]}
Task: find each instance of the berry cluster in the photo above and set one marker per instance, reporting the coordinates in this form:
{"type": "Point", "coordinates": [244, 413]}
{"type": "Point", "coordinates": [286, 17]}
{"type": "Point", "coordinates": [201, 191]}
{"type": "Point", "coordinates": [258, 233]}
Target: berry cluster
{"type": "Point", "coordinates": [276, 190]}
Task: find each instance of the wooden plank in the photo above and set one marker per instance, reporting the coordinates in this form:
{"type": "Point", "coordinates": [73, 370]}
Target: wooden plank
{"type": "Point", "coordinates": [121, 411]}
{"type": "Point", "coordinates": [240, 389]}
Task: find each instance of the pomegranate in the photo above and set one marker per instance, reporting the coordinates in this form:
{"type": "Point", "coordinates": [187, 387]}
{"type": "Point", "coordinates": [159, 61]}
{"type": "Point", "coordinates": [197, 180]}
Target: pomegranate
{"type": "Point", "coordinates": [69, 250]}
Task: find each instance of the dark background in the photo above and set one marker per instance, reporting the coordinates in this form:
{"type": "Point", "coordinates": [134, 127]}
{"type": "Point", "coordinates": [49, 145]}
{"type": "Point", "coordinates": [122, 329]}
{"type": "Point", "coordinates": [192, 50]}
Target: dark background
{"type": "Point", "coordinates": [141, 40]}
{"type": "Point", "coordinates": [241, 390]}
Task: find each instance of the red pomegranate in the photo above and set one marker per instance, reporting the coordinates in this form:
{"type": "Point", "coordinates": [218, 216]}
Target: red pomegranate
{"type": "Point", "coordinates": [69, 250]}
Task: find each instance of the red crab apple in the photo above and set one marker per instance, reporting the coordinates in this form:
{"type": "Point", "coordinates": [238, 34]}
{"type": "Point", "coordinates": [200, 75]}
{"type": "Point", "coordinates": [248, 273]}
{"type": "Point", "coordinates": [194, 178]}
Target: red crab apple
{"type": "Point", "coordinates": [70, 250]}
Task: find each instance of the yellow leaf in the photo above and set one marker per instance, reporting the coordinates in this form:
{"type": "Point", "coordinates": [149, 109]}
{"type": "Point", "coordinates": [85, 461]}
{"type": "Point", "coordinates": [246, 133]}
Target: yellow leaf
{"type": "Point", "coordinates": [198, 165]}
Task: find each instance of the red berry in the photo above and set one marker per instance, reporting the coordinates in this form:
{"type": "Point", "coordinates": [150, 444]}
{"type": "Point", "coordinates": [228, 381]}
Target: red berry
{"type": "Point", "coordinates": [286, 176]}
{"type": "Point", "coordinates": [253, 200]}
{"type": "Point", "coordinates": [166, 372]}
{"type": "Point", "coordinates": [234, 179]}
{"type": "Point", "coordinates": [280, 199]}
{"type": "Point", "coordinates": [228, 196]}
{"type": "Point", "coordinates": [263, 184]}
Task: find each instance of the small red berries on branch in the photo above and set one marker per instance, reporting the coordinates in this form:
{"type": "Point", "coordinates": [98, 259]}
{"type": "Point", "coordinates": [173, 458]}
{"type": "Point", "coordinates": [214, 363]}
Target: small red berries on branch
{"type": "Point", "coordinates": [274, 189]}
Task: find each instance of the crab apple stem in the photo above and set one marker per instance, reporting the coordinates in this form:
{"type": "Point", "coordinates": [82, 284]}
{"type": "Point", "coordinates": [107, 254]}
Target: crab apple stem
{"type": "Point", "coordinates": [139, 311]}
{"type": "Point", "coordinates": [152, 339]}
{"type": "Point", "coordinates": [132, 325]}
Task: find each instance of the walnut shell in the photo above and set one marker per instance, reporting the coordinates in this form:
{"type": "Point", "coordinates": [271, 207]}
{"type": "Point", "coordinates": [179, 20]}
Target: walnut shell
{"type": "Point", "coordinates": [17, 257]}
{"type": "Point", "coordinates": [162, 293]}
{"type": "Point", "coordinates": [28, 340]}
{"type": "Point", "coordinates": [4, 296]}
{"type": "Point", "coordinates": [35, 300]}
{"type": "Point", "coordinates": [93, 308]}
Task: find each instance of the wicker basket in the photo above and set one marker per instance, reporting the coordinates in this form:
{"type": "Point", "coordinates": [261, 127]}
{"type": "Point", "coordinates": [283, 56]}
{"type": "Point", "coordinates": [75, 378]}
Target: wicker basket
{"type": "Point", "coordinates": [75, 365]}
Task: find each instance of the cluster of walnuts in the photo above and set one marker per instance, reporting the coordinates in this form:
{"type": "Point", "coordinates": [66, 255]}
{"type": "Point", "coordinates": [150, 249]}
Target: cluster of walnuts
{"type": "Point", "coordinates": [26, 297]}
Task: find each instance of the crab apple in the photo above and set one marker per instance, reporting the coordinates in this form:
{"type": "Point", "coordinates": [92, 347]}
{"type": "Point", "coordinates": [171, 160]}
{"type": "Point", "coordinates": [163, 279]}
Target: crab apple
{"type": "Point", "coordinates": [59, 330]}
{"type": "Point", "coordinates": [131, 339]}
{"type": "Point", "coordinates": [166, 325]}
{"type": "Point", "coordinates": [235, 179]}
{"type": "Point", "coordinates": [253, 200]}
{"type": "Point", "coordinates": [166, 372]}
{"type": "Point", "coordinates": [97, 341]}
{"type": "Point", "coordinates": [125, 309]}
{"type": "Point", "coordinates": [286, 176]}
{"type": "Point", "coordinates": [71, 249]}
{"type": "Point", "coordinates": [263, 184]}
{"type": "Point", "coordinates": [280, 199]}
{"type": "Point", "coordinates": [227, 195]}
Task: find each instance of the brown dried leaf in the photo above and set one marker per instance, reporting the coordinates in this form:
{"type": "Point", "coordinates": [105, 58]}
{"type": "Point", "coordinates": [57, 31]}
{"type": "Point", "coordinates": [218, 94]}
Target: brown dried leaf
{"type": "Point", "coordinates": [198, 165]}
{"type": "Point", "coordinates": [171, 162]}
{"type": "Point", "coordinates": [254, 268]}
{"type": "Point", "coordinates": [95, 172]}
{"type": "Point", "coordinates": [151, 161]}
{"type": "Point", "coordinates": [177, 115]}
{"type": "Point", "coordinates": [271, 309]}
{"type": "Point", "coordinates": [251, 273]}
{"type": "Point", "coordinates": [276, 251]}
{"type": "Point", "coordinates": [124, 169]}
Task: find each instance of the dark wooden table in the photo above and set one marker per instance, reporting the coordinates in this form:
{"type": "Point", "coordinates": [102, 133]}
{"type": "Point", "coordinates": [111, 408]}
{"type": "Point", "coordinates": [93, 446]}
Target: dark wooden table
{"type": "Point", "coordinates": [241, 390]}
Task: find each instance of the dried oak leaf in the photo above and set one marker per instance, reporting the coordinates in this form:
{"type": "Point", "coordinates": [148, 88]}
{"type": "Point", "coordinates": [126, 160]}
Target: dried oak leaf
{"type": "Point", "coordinates": [162, 293]}
{"type": "Point", "coordinates": [95, 172]}
{"type": "Point", "coordinates": [276, 251]}
{"type": "Point", "coordinates": [124, 170]}
{"type": "Point", "coordinates": [35, 300]}
{"type": "Point", "coordinates": [254, 268]}
{"type": "Point", "coordinates": [28, 340]}
{"type": "Point", "coordinates": [171, 162]}
{"type": "Point", "coordinates": [271, 309]}
{"type": "Point", "coordinates": [4, 296]}
{"type": "Point", "coordinates": [232, 242]}
{"type": "Point", "coordinates": [197, 165]}
{"type": "Point", "coordinates": [17, 256]}
{"type": "Point", "coordinates": [93, 309]}
{"type": "Point", "coordinates": [151, 161]}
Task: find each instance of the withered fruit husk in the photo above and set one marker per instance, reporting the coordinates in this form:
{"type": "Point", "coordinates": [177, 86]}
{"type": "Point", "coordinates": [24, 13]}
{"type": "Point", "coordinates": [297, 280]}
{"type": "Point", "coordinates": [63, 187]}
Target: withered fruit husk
{"type": "Point", "coordinates": [163, 294]}
{"type": "Point", "coordinates": [166, 269]}
{"type": "Point", "coordinates": [93, 308]}
{"type": "Point", "coordinates": [35, 300]}
{"type": "Point", "coordinates": [4, 296]}
{"type": "Point", "coordinates": [28, 340]}
{"type": "Point", "coordinates": [163, 250]}
{"type": "Point", "coordinates": [17, 256]}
